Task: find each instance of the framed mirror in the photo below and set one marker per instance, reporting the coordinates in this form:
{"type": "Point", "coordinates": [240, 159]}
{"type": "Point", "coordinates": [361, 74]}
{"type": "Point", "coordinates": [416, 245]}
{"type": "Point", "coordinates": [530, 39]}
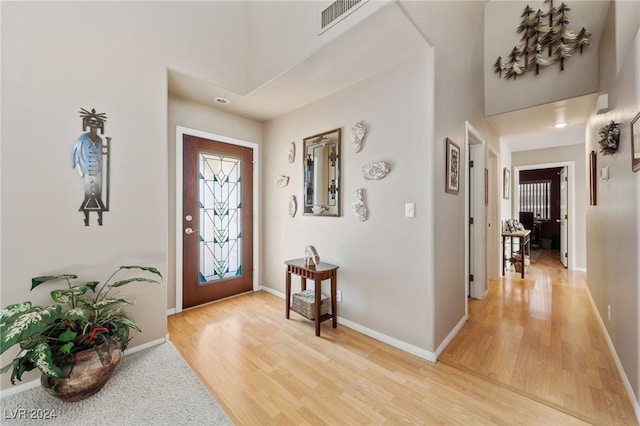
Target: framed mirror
{"type": "Point", "coordinates": [635, 143]}
{"type": "Point", "coordinates": [321, 168]}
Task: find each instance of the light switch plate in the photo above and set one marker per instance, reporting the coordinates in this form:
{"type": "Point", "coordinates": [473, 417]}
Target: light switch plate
{"type": "Point", "coordinates": [410, 210]}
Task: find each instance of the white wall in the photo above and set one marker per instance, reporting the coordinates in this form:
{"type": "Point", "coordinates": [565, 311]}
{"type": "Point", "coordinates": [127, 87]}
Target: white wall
{"type": "Point", "coordinates": [385, 261]}
{"type": "Point", "coordinates": [458, 98]}
{"type": "Point", "coordinates": [280, 35]}
{"type": "Point", "coordinates": [613, 246]}
{"type": "Point", "coordinates": [578, 78]}
{"type": "Point", "coordinates": [561, 154]}
{"type": "Point", "coordinates": [506, 210]}
{"type": "Point", "coordinates": [56, 60]}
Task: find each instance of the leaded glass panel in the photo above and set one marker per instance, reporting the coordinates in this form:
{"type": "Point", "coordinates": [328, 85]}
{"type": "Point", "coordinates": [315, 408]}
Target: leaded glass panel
{"type": "Point", "coordinates": [220, 236]}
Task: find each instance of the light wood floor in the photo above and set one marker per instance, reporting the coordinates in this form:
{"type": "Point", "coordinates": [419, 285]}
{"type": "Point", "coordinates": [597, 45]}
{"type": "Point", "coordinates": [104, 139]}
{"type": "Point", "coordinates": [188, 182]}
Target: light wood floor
{"type": "Point", "coordinates": [264, 369]}
{"type": "Point", "coordinates": [540, 336]}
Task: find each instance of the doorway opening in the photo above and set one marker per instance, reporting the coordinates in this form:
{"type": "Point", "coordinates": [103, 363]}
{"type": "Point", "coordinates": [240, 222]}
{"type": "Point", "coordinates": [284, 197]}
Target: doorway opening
{"type": "Point", "coordinates": [482, 213]}
{"type": "Point", "coordinates": [545, 193]}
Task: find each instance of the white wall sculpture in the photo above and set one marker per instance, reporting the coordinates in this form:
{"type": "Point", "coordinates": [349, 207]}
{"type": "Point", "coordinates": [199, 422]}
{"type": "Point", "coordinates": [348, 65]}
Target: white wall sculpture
{"type": "Point", "coordinates": [359, 208]}
{"type": "Point", "coordinates": [292, 152]}
{"type": "Point", "coordinates": [376, 170]}
{"type": "Point", "coordinates": [283, 181]}
{"type": "Point", "coordinates": [293, 205]}
{"type": "Point", "coordinates": [358, 132]}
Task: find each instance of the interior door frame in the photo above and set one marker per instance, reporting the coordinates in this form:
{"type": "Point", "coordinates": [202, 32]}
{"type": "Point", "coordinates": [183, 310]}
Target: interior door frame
{"type": "Point", "coordinates": [180, 132]}
{"type": "Point", "coordinates": [473, 137]}
{"type": "Point", "coordinates": [571, 205]}
{"type": "Point", "coordinates": [564, 217]}
{"type": "Point", "coordinates": [494, 250]}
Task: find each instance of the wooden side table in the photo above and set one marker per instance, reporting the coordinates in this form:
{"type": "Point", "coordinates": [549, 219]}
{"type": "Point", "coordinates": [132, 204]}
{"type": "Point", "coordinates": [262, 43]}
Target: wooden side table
{"type": "Point", "coordinates": [525, 243]}
{"type": "Point", "coordinates": [317, 273]}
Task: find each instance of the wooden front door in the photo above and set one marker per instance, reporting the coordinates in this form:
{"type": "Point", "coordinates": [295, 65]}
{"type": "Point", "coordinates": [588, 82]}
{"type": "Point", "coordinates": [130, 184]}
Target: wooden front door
{"type": "Point", "coordinates": [217, 220]}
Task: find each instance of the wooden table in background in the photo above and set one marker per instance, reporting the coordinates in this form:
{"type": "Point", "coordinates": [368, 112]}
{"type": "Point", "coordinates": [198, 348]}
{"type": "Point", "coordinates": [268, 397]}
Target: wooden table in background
{"type": "Point", "coordinates": [317, 273]}
{"type": "Point", "coordinates": [525, 241]}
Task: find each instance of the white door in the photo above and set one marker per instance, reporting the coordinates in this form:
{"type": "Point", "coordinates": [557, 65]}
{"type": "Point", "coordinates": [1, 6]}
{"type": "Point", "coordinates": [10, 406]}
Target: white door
{"type": "Point", "coordinates": [478, 213]}
{"type": "Point", "coordinates": [564, 217]}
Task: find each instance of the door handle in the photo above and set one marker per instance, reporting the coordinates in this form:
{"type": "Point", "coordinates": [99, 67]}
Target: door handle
{"type": "Point", "coordinates": [190, 231]}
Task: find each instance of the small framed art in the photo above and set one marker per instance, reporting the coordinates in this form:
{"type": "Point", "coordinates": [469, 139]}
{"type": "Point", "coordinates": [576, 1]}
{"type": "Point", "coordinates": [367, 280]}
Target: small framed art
{"type": "Point", "coordinates": [453, 168]}
{"type": "Point", "coordinates": [506, 183]}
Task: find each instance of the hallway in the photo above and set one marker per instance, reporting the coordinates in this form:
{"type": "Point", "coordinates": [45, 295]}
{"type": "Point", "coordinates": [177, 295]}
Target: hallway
{"type": "Point", "coordinates": [540, 337]}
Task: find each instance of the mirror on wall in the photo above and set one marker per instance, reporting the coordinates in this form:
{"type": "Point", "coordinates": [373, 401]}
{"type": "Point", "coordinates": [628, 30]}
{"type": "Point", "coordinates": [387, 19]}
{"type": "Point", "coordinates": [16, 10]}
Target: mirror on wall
{"type": "Point", "coordinates": [321, 164]}
{"type": "Point", "coordinates": [635, 143]}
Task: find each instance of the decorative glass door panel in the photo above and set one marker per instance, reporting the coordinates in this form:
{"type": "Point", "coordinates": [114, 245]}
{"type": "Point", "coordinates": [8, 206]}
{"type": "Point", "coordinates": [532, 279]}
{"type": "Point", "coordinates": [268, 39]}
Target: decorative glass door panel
{"type": "Point", "coordinates": [220, 212]}
{"type": "Point", "coordinates": [218, 203]}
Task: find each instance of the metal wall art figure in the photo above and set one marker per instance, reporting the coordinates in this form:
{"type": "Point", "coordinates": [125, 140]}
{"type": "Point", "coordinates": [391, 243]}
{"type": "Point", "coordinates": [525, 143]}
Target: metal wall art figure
{"type": "Point", "coordinates": [90, 157]}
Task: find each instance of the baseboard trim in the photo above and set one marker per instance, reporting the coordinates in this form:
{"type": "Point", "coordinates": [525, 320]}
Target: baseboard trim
{"type": "Point", "coordinates": [16, 389]}
{"type": "Point", "coordinates": [623, 375]}
{"type": "Point", "coordinates": [392, 341]}
{"type": "Point", "coordinates": [450, 336]}
{"type": "Point", "coordinates": [407, 347]}
{"type": "Point", "coordinates": [272, 291]}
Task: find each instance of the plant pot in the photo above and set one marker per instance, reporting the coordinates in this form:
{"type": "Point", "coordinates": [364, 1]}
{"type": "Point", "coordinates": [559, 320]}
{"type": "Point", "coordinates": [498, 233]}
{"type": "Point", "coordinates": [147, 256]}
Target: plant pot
{"type": "Point", "coordinates": [85, 373]}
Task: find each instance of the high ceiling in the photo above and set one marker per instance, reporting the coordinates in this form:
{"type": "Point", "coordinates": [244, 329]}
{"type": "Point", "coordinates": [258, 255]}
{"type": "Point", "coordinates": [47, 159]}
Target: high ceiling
{"type": "Point", "coordinates": [358, 54]}
{"type": "Point", "coordinates": [317, 77]}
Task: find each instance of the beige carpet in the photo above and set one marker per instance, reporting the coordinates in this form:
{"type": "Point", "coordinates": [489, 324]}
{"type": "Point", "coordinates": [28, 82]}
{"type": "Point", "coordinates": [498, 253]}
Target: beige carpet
{"type": "Point", "coordinates": [151, 387]}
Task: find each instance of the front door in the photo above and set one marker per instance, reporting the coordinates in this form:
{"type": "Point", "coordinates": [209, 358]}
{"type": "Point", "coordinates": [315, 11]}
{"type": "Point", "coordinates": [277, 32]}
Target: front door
{"type": "Point", "coordinates": [217, 220]}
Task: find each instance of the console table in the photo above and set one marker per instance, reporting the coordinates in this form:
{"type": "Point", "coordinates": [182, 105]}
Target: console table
{"type": "Point", "coordinates": [317, 273]}
{"type": "Point", "coordinates": [525, 242]}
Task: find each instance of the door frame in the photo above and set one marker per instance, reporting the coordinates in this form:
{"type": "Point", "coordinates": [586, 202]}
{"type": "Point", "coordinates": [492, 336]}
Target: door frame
{"type": "Point", "coordinates": [473, 137]}
{"type": "Point", "coordinates": [180, 132]}
{"type": "Point", "coordinates": [493, 215]}
{"type": "Point", "coordinates": [571, 205]}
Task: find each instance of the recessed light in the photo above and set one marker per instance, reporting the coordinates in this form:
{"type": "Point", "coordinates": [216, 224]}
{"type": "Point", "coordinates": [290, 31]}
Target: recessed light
{"type": "Point", "coordinates": [222, 100]}
{"type": "Point", "coordinates": [560, 125]}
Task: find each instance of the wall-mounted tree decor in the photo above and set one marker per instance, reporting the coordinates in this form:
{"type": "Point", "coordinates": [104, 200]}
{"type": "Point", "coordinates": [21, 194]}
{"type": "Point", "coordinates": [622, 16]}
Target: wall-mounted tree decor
{"type": "Point", "coordinates": [90, 157]}
{"type": "Point", "coordinates": [609, 138]}
{"type": "Point", "coordinates": [546, 40]}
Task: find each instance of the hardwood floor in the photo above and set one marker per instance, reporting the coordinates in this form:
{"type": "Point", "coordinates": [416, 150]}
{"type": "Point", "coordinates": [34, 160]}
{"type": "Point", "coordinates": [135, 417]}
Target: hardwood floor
{"type": "Point", "coordinates": [540, 337]}
{"type": "Point", "coordinates": [264, 369]}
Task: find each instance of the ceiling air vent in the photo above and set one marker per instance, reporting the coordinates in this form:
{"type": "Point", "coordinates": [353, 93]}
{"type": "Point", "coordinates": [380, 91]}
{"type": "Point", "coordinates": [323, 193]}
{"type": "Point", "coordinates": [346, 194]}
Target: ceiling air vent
{"type": "Point", "coordinates": [337, 11]}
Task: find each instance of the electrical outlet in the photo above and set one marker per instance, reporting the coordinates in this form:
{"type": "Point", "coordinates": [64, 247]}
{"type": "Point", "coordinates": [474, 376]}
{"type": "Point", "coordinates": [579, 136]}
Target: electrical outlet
{"type": "Point", "coordinates": [609, 312]}
{"type": "Point", "coordinates": [339, 296]}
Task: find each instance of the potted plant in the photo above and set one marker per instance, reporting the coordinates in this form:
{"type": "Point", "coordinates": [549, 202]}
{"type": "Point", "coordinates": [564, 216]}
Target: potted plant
{"type": "Point", "coordinates": [77, 341]}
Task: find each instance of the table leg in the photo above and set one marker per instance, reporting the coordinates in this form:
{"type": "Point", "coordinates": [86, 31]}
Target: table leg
{"type": "Point", "coordinates": [287, 293]}
{"type": "Point", "coordinates": [504, 254]}
{"type": "Point", "coordinates": [522, 256]}
{"type": "Point", "coordinates": [317, 299]}
{"type": "Point", "coordinates": [334, 304]}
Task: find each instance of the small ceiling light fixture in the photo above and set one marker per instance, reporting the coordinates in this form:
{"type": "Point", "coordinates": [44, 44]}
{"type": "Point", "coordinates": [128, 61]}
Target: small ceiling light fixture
{"type": "Point", "coordinates": [560, 125]}
{"type": "Point", "coordinates": [222, 101]}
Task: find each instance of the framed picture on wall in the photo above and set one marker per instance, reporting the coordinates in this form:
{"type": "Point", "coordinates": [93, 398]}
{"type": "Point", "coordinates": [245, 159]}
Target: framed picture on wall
{"type": "Point", "coordinates": [635, 143]}
{"type": "Point", "coordinates": [453, 168]}
{"type": "Point", "coordinates": [506, 183]}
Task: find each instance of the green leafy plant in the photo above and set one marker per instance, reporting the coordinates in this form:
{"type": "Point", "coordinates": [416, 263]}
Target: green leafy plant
{"type": "Point", "coordinates": [84, 316]}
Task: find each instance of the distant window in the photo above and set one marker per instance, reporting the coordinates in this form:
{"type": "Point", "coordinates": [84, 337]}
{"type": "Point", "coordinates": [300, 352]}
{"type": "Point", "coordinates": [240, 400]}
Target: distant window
{"type": "Point", "coordinates": [536, 197]}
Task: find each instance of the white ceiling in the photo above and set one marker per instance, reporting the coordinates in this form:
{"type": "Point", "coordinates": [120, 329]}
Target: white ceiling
{"type": "Point", "coordinates": [532, 128]}
{"type": "Point", "coordinates": [361, 53]}
{"type": "Point", "coordinates": [358, 54]}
